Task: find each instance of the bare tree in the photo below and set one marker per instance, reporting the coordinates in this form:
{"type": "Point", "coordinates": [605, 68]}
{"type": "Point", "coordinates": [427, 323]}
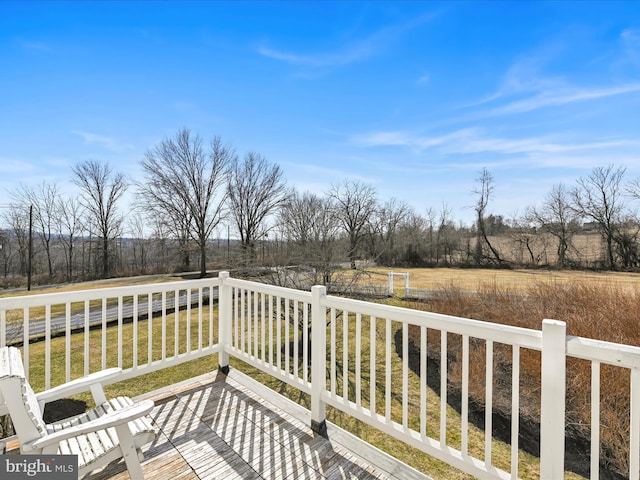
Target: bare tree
{"type": "Point", "coordinates": [310, 224]}
{"type": "Point", "coordinates": [384, 225]}
{"type": "Point", "coordinates": [256, 190]}
{"type": "Point", "coordinates": [556, 217]}
{"type": "Point", "coordinates": [445, 238]}
{"type": "Point", "coordinates": [356, 203]}
{"type": "Point", "coordinates": [140, 252]}
{"type": "Point", "coordinates": [101, 189]}
{"type": "Point", "coordinates": [44, 200]}
{"type": "Point", "coordinates": [70, 225]}
{"type": "Point", "coordinates": [185, 185]}
{"type": "Point", "coordinates": [484, 191]}
{"type": "Point", "coordinates": [17, 217]}
{"type": "Point", "coordinates": [599, 198]}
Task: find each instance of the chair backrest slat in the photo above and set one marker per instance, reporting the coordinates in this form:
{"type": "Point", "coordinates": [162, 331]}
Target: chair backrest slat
{"type": "Point", "coordinates": [18, 396]}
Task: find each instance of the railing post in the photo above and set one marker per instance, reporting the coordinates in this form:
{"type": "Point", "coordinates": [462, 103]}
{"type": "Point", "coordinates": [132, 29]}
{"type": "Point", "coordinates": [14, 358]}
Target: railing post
{"type": "Point", "coordinates": [318, 359]}
{"type": "Point", "coordinates": [224, 322]}
{"type": "Point", "coordinates": [552, 407]}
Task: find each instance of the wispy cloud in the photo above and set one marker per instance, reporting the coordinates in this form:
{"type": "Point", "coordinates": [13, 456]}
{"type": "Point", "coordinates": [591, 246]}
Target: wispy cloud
{"type": "Point", "coordinates": [526, 87]}
{"type": "Point", "coordinates": [355, 51]}
{"type": "Point", "coordinates": [12, 165]}
{"type": "Point", "coordinates": [37, 47]}
{"type": "Point", "coordinates": [631, 44]}
{"type": "Point", "coordinates": [472, 140]}
{"type": "Point", "coordinates": [316, 171]}
{"type": "Point", "coordinates": [563, 96]}
{"type": "Point", "coordinates": [424, 79]}
{"type": "Point", "coordinates": [102, 141]}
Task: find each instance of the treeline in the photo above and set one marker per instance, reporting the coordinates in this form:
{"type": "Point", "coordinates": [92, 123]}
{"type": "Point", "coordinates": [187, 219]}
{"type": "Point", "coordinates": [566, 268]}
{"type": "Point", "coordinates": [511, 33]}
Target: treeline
{"type": "Point", "coordinates": [200, 205]}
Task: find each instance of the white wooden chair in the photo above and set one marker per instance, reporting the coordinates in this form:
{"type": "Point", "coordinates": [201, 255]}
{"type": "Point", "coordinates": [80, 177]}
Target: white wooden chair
{"type": "Point", "coordinates": [115, 429]}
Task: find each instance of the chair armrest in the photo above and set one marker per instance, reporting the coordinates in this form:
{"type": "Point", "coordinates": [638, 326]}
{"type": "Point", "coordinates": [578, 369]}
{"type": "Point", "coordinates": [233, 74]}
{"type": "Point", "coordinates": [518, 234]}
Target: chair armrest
{"type": "Point", "coordinates": [78, 385]}
{"type": "Point", "coordinates": [117, 417]}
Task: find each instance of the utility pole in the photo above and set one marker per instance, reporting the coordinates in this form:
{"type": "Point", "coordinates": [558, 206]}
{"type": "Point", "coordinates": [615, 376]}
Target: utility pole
{"type": "Point", "coordinates": [29, 260]}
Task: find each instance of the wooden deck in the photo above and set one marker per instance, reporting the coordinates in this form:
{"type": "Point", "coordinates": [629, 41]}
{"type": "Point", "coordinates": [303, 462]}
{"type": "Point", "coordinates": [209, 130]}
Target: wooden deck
{"type": "Point", "coordinates": [231, 427]}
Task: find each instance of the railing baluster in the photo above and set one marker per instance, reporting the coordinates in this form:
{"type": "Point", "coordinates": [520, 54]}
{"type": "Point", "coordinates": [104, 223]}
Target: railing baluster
{"type": "Point", "coordinates": [249, 319]}
{"type": "Point", "coordinates": [256, 330]}
{"type": "Point", "coordinates": [262, 326]}
{"type": "Point", "coordinates": [236, 317]}
{"type": "Point", "coordinates": [47, 347]}
{"type": "Point", "coordinates": [515, 409]}
{"type": "Point", "coordinates": [405, 376]}
{"type": "Point", "coordinates": [333, 352]}
{"type": "Point", "coordinates": [87, 321]}
{"type": "Point", "coordinates": [279, 333]}
{"type": "Point", "coordinates": [387, 369]}
{"type": "Point", "coordinates": [358, 348]}
{"type": "Point", "coordinates": [149, 329]}
{"type": "Point", "coordinates": [464, 411]}
{"type": "Point", "coordinates": [243, 332]}
{"type": "Point", "coordinates": [345, 355]}
{"type": "Point", "coordinates": [26, 335]}
{"type": "Point", "coordinates": [212, 315]}
{"type": "Point", "coordinates": [443, 388]}
{"type": "Point", "coordinates": [423, 381]}
{"type": "Point", "coordinates": [305, 342]}
{"type": "Point", "coordinates": [595, 420]}
{"type": "Point", "coordinates": [271, 346]}
{"type": "Point", "coordinates": [296, 360]}
{"type": "Point", "coordinates": [120, 337]}
{"type": "Point", "coordinates": [488, 411]}
{"type": "Point", "coordinates": [176, 323]}
{"type": "Point", "coordinates": [67, 343]}
{"type": "Point", "coordinates": [372, 365]}
{"type": "Point", "coordinates": [163, 330]}
{"type": "Point", "coordinates": [135, 332]}
{"type": "Point", "coordinates": [188, 322]}
{"type": "Point", "coordinates": [200, 317]}
{"type": "Point", "coordinates": [103, 331]}
{"type": "Point", "coordinates": [287, 338]}
{"type": "Point", "coordinates": [634, 436]}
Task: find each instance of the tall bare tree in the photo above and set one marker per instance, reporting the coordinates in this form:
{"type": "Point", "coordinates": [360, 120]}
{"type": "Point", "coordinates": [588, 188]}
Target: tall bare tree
{"type": "Point", "coordinates": [70, 225]}
{"type": "Point", "coordinates": [484, 192]}
{"type": "Point", "coordinates": [257, 188]}
{"type": "Point", "coordinates": [557, 217]}
{"type": "Point", "coordinates": [186, 185]}
{"type": "Point", "coordinates": [599, 198]}
{"type": "Point", "coordinates": [100, 191]}
{"type": "Point", "coordinates": [384, 226]}
{"type": "Point", "coordinates": [44, 201]}
{"type": "Point", "coordinates": [356, 202]}
{"type": "Point", "coordinates": [17, 217]}
{"type": "Point", "coordinates": [309, 222]}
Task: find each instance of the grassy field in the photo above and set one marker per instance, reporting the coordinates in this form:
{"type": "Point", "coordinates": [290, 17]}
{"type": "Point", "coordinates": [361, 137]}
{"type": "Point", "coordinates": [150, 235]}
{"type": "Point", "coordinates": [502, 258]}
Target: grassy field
{"type": "Point", "coordinates": [517, 281]}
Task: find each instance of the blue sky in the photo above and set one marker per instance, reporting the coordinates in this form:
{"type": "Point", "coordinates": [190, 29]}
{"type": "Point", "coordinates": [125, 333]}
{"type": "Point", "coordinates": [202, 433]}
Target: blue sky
{"type": "Point", "coordinates": [414, 98]}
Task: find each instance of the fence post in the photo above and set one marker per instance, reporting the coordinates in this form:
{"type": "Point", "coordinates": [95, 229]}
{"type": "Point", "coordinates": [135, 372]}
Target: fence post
{"type": "Point", "coordinates": [318, 359]}
{"type": "Point", "coordinates": [224, 322]}
{"type": "Point", "coordinates": [552, 405]}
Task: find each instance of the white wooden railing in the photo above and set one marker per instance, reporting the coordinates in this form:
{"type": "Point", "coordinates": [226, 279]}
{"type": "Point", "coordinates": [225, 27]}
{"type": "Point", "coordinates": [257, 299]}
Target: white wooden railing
{"type": "Point", "coordinates": [341, 352]}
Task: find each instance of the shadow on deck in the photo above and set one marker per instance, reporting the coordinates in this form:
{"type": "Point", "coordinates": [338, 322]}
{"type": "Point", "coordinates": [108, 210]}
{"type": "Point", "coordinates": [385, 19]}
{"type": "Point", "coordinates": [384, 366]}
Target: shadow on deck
{"type": "Point", "coordinates": [232, 427]}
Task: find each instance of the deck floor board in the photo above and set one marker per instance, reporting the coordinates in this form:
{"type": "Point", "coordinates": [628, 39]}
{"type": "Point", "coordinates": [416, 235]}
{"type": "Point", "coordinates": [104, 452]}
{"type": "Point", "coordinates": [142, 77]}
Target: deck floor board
{"type": "Point", "coordinates": [221, 429]}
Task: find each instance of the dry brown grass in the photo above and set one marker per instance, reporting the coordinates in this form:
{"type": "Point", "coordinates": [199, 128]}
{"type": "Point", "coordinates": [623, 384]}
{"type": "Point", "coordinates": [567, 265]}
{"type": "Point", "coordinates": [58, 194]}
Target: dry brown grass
{"type": "Point", "coordinates": [515, 281]}
{"type": "Point", "coordinates": [600, 310]}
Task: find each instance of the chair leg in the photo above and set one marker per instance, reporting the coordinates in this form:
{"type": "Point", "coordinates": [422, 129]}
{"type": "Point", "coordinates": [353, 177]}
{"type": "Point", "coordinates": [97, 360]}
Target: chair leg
{"type": "Point", "coordinates": [129, 452]}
